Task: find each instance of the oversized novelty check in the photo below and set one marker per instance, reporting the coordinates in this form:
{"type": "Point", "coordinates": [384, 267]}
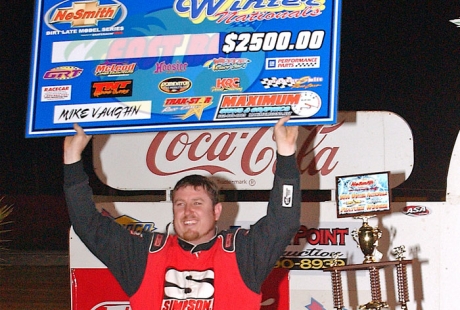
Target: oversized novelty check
{"type": "Point", "coordinates": [135, 65]}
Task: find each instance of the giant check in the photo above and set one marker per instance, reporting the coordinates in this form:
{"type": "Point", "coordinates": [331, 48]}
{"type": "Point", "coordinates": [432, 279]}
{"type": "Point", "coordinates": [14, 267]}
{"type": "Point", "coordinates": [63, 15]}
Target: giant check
{"type": "Point", "coordinates": [135, 65]}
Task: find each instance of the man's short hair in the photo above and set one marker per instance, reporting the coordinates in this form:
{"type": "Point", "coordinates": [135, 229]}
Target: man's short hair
{"type": "Point", "coordinates": [196, 180]}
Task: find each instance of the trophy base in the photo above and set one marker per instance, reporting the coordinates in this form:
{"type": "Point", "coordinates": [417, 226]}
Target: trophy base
{"type": "Point", "coordinates": [369, 259]}
{"type": "Point", "coordinates": [375, 304]}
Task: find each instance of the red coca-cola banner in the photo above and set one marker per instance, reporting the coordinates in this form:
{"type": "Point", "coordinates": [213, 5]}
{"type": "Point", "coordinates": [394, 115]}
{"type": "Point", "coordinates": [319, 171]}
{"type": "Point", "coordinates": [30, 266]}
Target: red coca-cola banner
{"type": "Point", "coordinates": [244, 158]}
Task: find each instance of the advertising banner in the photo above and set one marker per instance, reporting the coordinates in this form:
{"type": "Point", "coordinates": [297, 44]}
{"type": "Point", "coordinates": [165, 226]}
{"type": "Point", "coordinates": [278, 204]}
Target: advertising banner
{"type": "Point", "coordinates": [124, 66]}
{"type": "Point", "coordinates": [244, 158]}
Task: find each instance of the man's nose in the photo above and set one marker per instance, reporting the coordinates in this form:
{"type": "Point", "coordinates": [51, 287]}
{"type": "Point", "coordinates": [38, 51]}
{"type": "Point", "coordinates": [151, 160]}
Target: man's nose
{"type": "Point", "coordinates": [188, 208]}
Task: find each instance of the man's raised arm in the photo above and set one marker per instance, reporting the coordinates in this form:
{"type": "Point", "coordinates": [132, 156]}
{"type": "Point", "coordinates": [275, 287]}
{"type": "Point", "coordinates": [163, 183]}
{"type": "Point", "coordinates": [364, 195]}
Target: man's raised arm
{"type": "Point", "coordinates": [74, 145]}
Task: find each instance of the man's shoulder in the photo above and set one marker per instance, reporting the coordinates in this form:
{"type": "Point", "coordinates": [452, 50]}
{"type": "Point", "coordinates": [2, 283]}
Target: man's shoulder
{"type": "Point", "coordinates": [158, 241]}
{"type": "Point", "coordinates": [228, 237]}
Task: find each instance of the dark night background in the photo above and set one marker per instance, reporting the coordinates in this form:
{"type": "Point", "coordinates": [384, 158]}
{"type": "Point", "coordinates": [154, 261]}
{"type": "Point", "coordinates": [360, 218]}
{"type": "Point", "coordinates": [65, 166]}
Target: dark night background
{"type": "Point", "coordinates": [399, 56]}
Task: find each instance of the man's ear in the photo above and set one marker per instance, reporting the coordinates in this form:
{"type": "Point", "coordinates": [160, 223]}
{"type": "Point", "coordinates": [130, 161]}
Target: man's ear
{"type": "Point", "coordinates": [217, 211]}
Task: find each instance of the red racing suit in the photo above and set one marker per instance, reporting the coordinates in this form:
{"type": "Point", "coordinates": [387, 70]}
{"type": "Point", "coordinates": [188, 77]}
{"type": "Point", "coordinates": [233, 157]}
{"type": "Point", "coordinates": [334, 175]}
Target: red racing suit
{"type": "Point", "coordinates": [158, 271]}
{"type": "Point", "coordinates": [202, 280]}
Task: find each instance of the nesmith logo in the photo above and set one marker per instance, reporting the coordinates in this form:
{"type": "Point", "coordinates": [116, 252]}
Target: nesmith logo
{"type": "Point", "coordinates": [85, 13]}
{"type": "Point", "coordinates": [362, 184]}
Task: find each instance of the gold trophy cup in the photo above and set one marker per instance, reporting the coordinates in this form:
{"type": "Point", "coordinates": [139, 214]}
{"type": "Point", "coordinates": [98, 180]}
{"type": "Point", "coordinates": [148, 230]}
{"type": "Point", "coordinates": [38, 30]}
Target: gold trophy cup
{"type": "Point", "coordinates": [367, 238]}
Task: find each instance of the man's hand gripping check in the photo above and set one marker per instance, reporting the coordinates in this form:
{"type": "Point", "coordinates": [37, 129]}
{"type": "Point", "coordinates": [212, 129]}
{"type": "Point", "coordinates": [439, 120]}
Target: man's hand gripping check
{"type": "Point", "coordinates": [285, 137]}
{"type": "Point", "coordinates": [74, 145]}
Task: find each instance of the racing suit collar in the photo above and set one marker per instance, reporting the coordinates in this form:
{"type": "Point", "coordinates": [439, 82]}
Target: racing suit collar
{"type": "Point", "coordinates": [193, 248]}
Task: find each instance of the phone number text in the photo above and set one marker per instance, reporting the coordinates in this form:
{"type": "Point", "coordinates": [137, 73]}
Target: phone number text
{"type": "Point", "coordinates": [298, 263]}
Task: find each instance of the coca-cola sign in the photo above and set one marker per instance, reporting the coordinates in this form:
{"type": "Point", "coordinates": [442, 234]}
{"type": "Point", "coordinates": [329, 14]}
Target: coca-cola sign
{"type": "Point", "coordinates": [244, 158]}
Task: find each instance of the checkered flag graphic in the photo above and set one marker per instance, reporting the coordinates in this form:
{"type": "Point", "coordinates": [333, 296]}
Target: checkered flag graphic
{"type": "Point", "coordinates": [305, 65]}
{"type": "Point", "coordinates": [277, 82]}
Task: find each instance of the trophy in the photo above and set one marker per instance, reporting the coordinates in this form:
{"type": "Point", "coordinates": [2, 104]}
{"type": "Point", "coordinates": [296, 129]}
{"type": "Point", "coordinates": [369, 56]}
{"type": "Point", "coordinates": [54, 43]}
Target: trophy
{"type": "Point", "coordinates": [367, 238]}
{"type": "Point", "coordinates": [401, 272]}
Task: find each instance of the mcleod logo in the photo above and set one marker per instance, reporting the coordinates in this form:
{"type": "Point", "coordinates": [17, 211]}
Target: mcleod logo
{"type": "Point", "coordinates": [108, 69]}
{"type": "Point", "coordinates": [85, 14]}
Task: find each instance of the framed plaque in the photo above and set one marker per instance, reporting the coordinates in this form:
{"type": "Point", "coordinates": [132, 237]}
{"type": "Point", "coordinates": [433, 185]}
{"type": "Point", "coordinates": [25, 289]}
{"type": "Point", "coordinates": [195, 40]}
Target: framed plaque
{"type": "Point", "coordinates": [363, 194]}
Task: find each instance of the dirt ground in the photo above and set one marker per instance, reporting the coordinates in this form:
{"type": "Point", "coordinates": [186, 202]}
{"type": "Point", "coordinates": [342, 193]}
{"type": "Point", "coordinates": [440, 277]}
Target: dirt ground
{"type": "Point", "coordinates": [37, 281]}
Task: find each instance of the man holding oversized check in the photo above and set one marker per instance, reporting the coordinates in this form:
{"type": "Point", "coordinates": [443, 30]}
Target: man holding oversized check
{"type": "Point", "coordinates": [198, 267]}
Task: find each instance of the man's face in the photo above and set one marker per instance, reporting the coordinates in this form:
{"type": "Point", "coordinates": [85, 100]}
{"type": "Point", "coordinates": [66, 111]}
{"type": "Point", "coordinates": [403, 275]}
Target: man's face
{"type": "Point", "coordinates": [194, 214]}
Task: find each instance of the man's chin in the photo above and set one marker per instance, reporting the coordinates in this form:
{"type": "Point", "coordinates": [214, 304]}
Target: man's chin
{"type": "Point", "coordinates": [190, 236]}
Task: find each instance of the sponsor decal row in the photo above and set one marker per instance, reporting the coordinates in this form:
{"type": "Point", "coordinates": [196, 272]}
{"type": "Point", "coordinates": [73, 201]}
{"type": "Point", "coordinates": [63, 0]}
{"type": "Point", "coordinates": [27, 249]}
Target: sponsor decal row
{"type": "Point", "coordinates": [173, 85]}
{"type": "Point", "coordinates": [232, 106]}
{"type": "Point", "coordinates": [220, 64]}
